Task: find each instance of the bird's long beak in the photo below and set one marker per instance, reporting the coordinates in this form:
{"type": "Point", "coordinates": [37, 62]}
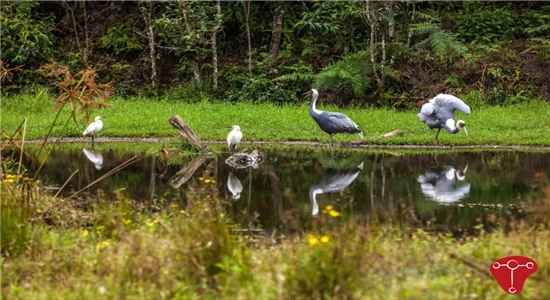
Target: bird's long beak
{"type": "Point", "coordinates": [461, 175]}
{"type": "Point", "coordinates": [306, 95]}
{"type": "Point", "coordinates": [465, 130]}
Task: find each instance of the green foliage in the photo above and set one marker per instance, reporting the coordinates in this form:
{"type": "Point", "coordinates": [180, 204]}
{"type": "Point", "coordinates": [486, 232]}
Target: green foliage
{"type": "Point", "coordinates": [353, 72]}
{"type": "Point", "coordinates": [260, 88]}
{"type": "Point", "coordinates": [485, 24]}
{"type": "Point", "coordinates": [26, 40]}
{"type": "Point", "coordinates": [120, 40]}
{"type": "Point", "coordinates": [445, 44]}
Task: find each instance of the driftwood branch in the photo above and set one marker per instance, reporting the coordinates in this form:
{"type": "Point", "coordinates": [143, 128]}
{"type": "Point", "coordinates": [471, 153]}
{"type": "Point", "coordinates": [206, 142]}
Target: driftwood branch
{"type": "Point", "coordinates": [187, 133]}
{"type": "Point", "coordinates": [390, 134]}
{"type": "Point", "coordinates": [186, 172]}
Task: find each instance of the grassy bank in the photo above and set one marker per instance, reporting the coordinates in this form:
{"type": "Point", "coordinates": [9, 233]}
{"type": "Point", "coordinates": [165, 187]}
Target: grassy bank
{"type": "Point", "coordinates": [523, 124]}
{"type": "Point", "coordinates": [122, 249]}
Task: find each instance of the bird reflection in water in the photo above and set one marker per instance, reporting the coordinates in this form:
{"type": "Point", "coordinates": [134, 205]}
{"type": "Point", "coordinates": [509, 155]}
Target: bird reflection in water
{"type": "Point", "coordinates": [95, 157]}
{"type": "Point", "coordinates": [333, 180]}
{"type": "Point", "coordinates": [440, 184]}
{"type": "Point", "coordinates": [235, 186]}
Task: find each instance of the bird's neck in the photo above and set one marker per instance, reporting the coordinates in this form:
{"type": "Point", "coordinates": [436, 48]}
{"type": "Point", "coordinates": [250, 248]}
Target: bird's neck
{"type": "Point", "coordinates": [451, 124]}
{"type": "Point", "coordinates": [312, 105]}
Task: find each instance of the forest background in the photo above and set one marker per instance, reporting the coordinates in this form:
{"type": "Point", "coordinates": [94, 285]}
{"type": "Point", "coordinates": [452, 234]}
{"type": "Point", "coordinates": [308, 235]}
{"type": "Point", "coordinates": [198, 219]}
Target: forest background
{"type": "Point", "coordinates": [365, 53]}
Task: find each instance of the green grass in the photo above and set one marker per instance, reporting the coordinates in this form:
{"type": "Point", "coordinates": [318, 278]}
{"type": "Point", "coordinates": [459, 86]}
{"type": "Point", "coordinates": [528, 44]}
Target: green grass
{"type": "Point", "coordinates": [522, 124]}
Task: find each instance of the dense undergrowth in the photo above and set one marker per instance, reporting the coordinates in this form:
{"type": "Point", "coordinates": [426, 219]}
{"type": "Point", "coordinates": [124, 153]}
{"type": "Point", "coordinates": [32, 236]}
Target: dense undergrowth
{"type": "Point", "coordinates": [57, 248]}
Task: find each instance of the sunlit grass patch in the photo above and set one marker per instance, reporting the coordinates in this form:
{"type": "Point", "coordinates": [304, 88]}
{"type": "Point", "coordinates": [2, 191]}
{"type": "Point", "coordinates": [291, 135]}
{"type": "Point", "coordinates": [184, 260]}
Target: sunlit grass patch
{"type": "Point", "coordinates": [138, 117]}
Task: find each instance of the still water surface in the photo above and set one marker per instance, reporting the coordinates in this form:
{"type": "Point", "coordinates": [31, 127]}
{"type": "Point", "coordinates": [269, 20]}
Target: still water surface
{"type": "Point", "coordinates": [292, 186]}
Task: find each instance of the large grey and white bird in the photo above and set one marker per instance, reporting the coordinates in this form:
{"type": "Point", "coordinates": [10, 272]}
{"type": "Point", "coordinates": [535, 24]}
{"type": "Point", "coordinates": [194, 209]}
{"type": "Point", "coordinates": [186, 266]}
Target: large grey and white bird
{"type": "Point", "coordinates": [439, 113]}
{"type": "Point", "coordinates": [94, 128]}
{"type": "Point", "coordinates": [235, 186]}
{"type": "Point", "coordinates": [332, 122]}
{"type": "Point", "coordinates": [440, 184]}
{"type": "Point", "coordinates": [333, 180]}
{"type": "Point", "coordinates": [94, 157]}
{"type": "Point", "coordinates": [234, 138]}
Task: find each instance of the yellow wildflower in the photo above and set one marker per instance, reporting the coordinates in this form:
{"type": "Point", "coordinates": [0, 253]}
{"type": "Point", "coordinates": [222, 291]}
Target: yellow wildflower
{"type": "Point", "coordinates": [324, 239]}
{"type": "Point", "coordinates": [85, 232]}
{"type": "Point", "coordinates": [182, 211]}
{"type": "Point", "coordinates": [312, 240]}
{"type": "Point", "coordinates": [213, 181]}
{"type": "Point", "coordinates": [126, 221]}
{"type": "Point", "coordinates": [329, 207]}
{"type": "Point", "coordinates": [101, 245]}
{"type": "Point", "coordinates": [334, 213]}
{"type": "Point", "coordinates": [201, 178]}
{"type": "Point", "coordinates": [207, 181]}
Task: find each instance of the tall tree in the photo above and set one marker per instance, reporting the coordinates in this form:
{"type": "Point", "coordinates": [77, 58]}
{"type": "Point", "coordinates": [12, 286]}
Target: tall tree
{"type": "Point", "coordinates": [246, 6]}
{"type": "Point", "coordinates": [277, 32]}
{"type": "Point", "coordinates": [147, 14]}
{"type": "Point", "coordinates": [215, 28]}
{"type": "Point", "coordinates": [185, 14]}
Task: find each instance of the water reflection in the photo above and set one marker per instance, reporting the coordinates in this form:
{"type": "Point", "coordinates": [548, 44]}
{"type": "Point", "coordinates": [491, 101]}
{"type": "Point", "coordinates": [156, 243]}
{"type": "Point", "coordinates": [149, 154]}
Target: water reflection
{"type": "Point", "coordinates": [332, 180]}
{"type": "Point", "coordinates": [387, 189]}
{"type": "Point", "coordinates": [244, 160]}
{"type": "Point", "coordinates": [234, 185]}
{"type": "Point", "coordinates": [440, 184]}
{"type": "Point", "coordinates": [95, 157]}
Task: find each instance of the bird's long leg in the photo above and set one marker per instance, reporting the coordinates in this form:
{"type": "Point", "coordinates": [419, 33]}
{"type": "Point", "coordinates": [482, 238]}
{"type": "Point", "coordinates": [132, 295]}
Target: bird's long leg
{"type": "Point", "coordinates": [92, 142]}
{"type": "Point", "coordinates": [331, 147]}
{"type": "Point", "coordinates": [436, 136]}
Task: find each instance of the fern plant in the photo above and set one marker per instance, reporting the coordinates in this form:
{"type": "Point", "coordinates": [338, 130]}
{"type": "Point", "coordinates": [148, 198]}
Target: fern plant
{"type": "Point", "coordinates": [446, 45]}
{"type": "Point", "coordinates": [352, 72]}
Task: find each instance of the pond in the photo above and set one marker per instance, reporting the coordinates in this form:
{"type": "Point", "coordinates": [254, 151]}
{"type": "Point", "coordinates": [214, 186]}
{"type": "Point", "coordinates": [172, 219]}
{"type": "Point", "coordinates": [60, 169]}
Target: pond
{"type": "Point", "coordinates": [292, 186]}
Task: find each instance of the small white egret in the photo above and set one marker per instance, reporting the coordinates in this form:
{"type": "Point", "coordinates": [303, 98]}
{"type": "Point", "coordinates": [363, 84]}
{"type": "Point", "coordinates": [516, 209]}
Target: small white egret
{"type": "Point", "coordinates": [235, 186]}
{"type": "Point", "coordinates": [439, 113]}
{"type": "Point", "coordinates": [234, 138]}
{"type": "Point", "coordinates": [94, 157]}
{"type": "Point", "coordinates": [93, 128]}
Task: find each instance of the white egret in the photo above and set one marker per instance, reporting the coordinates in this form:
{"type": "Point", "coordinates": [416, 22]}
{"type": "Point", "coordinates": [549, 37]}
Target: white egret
{"type": "Point", "coordinates": [235, 186]}
{"type": "Point", "coordinates": [94, 157]}
{"type": "Point", "coordinates": [234, 138]}
{"type": "Point", "coordinates": [93, 128]}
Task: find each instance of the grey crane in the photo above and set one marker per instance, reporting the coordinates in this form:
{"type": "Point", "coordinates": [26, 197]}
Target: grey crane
{"type": "Point", "coordinates": [439, 113]}
{"type": "Point", "coordinates": [332, 180]}
{"type": "Point", "coordinates": [331, 122]}
{"type": "Point", "coordinates": [439, 184]}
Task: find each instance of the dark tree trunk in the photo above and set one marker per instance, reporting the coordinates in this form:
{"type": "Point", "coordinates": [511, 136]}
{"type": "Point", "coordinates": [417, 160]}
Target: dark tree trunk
{"type": "Point", "coordinates": [277, 33]}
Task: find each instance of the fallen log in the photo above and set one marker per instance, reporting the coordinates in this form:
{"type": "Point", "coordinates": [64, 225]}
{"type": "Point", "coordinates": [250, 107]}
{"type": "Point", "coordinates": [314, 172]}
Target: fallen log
{"type": "Point", "coordinates": [186, 172]}
{"type": "Point", "coordinates": [390, 134]}
{"type": "Point", "coordinates": [187, 133]}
